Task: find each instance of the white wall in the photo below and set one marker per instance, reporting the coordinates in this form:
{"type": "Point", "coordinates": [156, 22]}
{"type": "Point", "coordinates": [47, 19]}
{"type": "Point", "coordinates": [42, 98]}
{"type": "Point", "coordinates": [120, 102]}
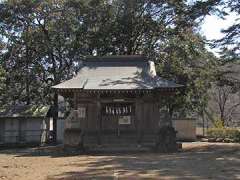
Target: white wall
{"type": "Point", "coordinates": [186, 129]}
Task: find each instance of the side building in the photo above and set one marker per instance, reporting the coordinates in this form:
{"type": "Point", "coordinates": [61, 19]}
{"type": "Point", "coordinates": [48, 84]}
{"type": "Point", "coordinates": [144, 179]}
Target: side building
{"type": "Point", "coordinates": [23, 124]}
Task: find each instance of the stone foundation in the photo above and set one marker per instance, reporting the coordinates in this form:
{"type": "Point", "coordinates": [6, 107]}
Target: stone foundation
{"type": "Point", "coordinates": [164, 141]}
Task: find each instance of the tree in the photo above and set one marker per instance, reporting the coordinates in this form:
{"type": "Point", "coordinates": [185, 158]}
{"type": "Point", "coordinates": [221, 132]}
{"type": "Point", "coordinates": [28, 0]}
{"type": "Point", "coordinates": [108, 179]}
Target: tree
{"type": "Point", "coordinates": [166, 33]}
{"type": "Point", "coordinates": [47, 39]}
{"type": "Point", "coordinates": [230, 43]}
{"type": "Point", "coordinates": [39, 47]}
{"type": "Point", "coordinates": [227, 100]}
{"type": "Point", "coordinates": [226, 87]}
{"type": "Point", "coordinates": [2, 86]}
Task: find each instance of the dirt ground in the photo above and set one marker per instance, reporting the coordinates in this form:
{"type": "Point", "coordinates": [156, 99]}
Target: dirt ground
{"type": "Point", "coordinates": [196, 161]}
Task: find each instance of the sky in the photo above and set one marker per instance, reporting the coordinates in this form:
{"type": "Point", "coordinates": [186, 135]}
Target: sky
{"type": "Point", "coordinates": [212, 26]}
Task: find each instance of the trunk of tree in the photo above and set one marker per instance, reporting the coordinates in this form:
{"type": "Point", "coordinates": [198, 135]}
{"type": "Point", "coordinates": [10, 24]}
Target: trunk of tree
{"type": "Point", "coordinates": [203, 121]}
{"type": "Point", "coordinates": [222, 118]}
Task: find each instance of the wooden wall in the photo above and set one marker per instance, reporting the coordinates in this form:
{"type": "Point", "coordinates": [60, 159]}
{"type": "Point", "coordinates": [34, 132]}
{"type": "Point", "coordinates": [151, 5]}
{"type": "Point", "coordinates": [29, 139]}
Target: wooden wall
{"type": "Point", "coordinates": [146, 116]}
{"type": "Point", "coordinates": [2, 127]}
{"type": "Point", "coordinates": [145, 120]}
{"type": "Point", "coordinates": [15, 130]}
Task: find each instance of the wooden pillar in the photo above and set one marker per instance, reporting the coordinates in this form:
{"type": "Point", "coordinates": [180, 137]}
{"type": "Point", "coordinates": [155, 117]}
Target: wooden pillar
{"type": "Point", "coordinates": [139, 117]}
{"type": "Point", "coordinates": [99, 120]}
{"type": "Point", "coordinates": [75, 100]}
{"type": "Point", "coordinates": [157, 114]}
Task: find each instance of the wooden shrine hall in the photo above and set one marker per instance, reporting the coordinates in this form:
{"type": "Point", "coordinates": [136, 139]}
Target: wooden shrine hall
{"type": "Point", "coordinates": [115, 100]}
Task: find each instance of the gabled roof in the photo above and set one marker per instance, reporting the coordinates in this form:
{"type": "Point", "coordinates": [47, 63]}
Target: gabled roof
{"type": "Point", "coordinates": [116, 73]}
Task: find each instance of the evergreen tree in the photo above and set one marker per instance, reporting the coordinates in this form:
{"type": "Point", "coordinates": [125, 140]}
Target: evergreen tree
{"type": "Point", "coordinates": [47, 39]}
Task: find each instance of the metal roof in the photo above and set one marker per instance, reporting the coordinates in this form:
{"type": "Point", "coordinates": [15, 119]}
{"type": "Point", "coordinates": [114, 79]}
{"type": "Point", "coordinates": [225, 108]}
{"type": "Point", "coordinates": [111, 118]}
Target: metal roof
{"type": "Point", "coordinates": [22, 110]}
{"type": "Point", "coordinates": [116, 73]}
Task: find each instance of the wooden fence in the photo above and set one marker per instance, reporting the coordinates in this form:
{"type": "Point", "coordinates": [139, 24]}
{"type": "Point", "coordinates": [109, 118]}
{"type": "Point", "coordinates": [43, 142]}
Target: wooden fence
{"type": "Point", "coordinates": [20, 130]}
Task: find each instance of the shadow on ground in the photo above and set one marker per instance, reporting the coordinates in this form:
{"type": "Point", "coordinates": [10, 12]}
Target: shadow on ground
{"type": "Point", "coordinates": [204, 162]}
{"type": "Point", "coordinates": [214, 162]}
{"type": "Point", "coordinates": [204, 165]}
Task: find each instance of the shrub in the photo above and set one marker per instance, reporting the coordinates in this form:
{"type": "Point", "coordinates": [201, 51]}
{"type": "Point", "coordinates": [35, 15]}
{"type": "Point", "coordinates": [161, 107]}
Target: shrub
{"type": "Point", "coordinates": [218, 123]}
{"type": "Point", "coordinates": [236, 136]}
{"type": "Point", "coordinates": [216, 133]}
{"type": "Point", "coordinates": [230, 133]}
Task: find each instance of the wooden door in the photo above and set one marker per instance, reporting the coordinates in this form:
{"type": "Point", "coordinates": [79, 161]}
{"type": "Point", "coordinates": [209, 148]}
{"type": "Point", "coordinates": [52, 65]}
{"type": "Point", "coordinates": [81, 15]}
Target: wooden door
{"type": "Point", "coordinates": [117, 117]}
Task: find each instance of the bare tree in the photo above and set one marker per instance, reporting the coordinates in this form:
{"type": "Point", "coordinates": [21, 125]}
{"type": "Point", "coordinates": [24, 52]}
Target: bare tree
{"type": "Point", "coordinates": [227, 99]}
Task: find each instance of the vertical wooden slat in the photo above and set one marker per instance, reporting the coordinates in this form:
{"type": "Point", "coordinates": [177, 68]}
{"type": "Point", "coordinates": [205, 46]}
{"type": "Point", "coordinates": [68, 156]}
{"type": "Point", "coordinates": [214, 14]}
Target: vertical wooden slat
{"type": "Point", "coordinates": [139, 118]}
{"type": "Point", "coordinates": [75, 100]}
{"type": "Point", "coordinates": [99, 119]}
{"type": "Point", "coordinates": [156, 115]}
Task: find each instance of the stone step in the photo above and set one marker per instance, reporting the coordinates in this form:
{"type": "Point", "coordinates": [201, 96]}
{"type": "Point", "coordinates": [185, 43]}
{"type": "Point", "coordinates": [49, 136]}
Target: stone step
{"type": "Point", "coordinates": [114, 148]}
{"type": "Point", "coordinates": [119, 140]}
